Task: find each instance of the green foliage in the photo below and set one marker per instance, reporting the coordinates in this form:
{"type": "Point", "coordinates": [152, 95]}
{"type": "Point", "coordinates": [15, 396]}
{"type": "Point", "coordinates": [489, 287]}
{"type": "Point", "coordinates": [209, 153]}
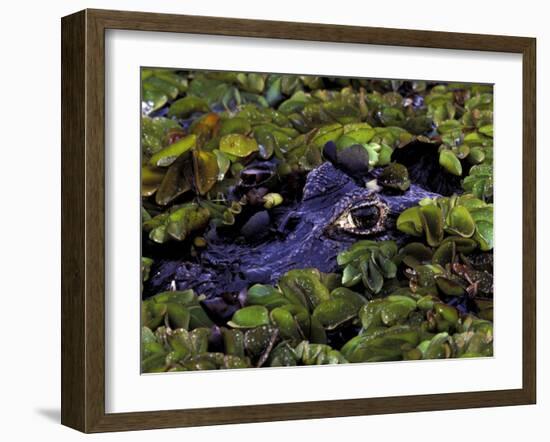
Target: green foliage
{"type": "Point", "coordinates": [369, 262]}
{"type": "Point", "coordinates": [177, 224]}
{"type": "Point", "coordinates": [202, 136]}
{"type": "Point", "coordinates": [465, 216]}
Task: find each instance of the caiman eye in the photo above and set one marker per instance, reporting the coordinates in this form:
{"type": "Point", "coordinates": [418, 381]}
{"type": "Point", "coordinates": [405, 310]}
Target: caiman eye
{"type": "Point", "coordinates": [366, 217]}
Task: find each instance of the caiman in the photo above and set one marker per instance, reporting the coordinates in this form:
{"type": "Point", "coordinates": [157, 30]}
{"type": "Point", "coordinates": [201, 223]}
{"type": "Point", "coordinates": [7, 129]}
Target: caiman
{"type": "Point", "coordinates": [334, 211]}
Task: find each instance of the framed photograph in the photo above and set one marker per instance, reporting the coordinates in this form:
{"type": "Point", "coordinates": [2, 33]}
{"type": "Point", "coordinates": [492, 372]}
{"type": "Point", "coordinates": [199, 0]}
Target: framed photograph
{"type": "Point", "coordinates": [266, 220]}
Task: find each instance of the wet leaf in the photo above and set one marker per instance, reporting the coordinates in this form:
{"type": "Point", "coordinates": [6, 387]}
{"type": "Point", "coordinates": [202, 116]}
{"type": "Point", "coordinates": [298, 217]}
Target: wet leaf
{"type": "Point", "coordinates": [152, 314]}
{"type": "Point", "coordinates": [343, 306]}
{"type": "Point", "coordinates": [168, 155]}
{"type": "Point", "coordinates": [449, 161]}
{"type": "Point", "coordinates": [153, 132]}
{"type": "Point", "coordinates": [223, 163]}
{"type": "Point", "coordinates": [360, 135]}
{"type": "Point", "coordinates": [152, 100]}
{"type": "Point", "coordinates": [205, 167]}
{"type": "Point", "coordinates": [176, 181]}
{"type": "Point", "coordinates": [449, 286]}
{"type": "Point", "coordinates": [358, 249]}
{"type": "Point", "coordinates": [351, 275]}
{"type": "Point", "coordinates": [250, 317]}
{"type": "Point", "coordinates": [259, 341]}
{"type": "Point", "coordinates": [145, 267]}
{"type": "Point", "coordinates": [304, 287]}
{"type": "Point", "coordinates": [415, 253]}
{"type": "Point", "coordinates": [151, 177]}
{"type": "Point", "coordinates": [235, 125]}
{"type": "Point", "coordinates": [410, 221]}
{"type": "Point", "coordinates": [327, 133]}
{"type": "Point", "coordinates": [439, 347]}
{"type": "Point", "coordinates": [460, 222]}
{"type": "Point", "coordinates": [238, 145]}
{"type": "Point", "coordinates": [198, 316]}
{"type": "Point", "coordinates": [383, 345]}
{"type": "Point", "coordinates": [266, 295]}
{"type": "Point", "coordinates": [186, 106]}
{"type": "Point", "coordinates": [272, 200]}
{"type": "Point", "coordinates": [444, 254]}
{"type": "Point", "coordinates": [396, 309]}
{"type": "Point", "coordinates": [463, 245]}
{"type": "Point", "coordinates": [318, 354]}
{"type": "Point", "coordinates": [486, 130]}
{"type": "Point", "coordinates": [448, 126]}
{"type": "Point", "coordinates": [158, 84]}
{"type": "Point", "coordinates": [233, 342]}
{"type": "Point", "coordinates": [285, 322]}
{"type": "Point", "coordinates": [484, 235]}
{"type": "Point", "coordinates": [178, 224]}
{"type": "Point", "coordinates": [371, 274]}
{"type": "Point", "coordinates": [432, 223]}
{"type": "Point", "coordinates": [447, 312]}
{"type": "Point", "coordinates": [172, 78]}
{"type": "Point", "coordinates": [178, 315]}
{"type": "Point", "coordinates": [205, 128]}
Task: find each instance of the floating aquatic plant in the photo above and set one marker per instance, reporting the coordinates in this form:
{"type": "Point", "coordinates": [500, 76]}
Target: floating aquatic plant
{"type": "Point", "coordinates": [225, 156]}
{"type": "Point", "coordinates": [369, 262]}
{"type": "Point", "coordinates": [177, 224]}
{"type": "Point", "coordinates": [158, 86]}
{"type": "Point", "coordinates": [464, 216]}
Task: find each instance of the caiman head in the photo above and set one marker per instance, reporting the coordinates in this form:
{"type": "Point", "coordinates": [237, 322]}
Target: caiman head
{"type": "Point", "coordinates": [334, 212]}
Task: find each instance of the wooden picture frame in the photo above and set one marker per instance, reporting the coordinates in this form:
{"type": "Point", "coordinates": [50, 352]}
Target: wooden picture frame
{"type": "Point", "coordinates": [83, 216]}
